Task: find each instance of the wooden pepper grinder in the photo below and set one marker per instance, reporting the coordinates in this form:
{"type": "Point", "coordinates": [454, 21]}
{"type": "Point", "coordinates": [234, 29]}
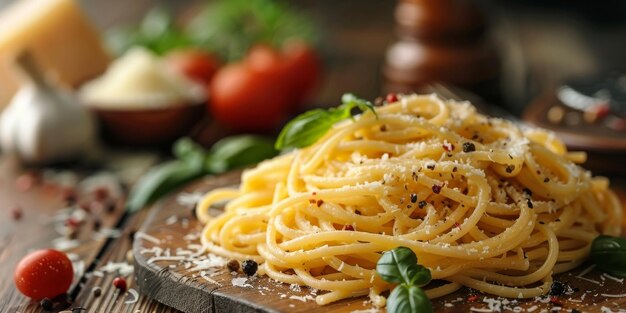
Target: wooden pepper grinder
{"type": "Point", "coordinates": [441, 41]}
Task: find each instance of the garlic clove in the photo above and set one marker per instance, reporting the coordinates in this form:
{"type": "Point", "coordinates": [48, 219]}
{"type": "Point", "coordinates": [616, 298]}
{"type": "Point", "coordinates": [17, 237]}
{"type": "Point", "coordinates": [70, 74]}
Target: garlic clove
{"type": "Point", "coordinates": [43, 124]}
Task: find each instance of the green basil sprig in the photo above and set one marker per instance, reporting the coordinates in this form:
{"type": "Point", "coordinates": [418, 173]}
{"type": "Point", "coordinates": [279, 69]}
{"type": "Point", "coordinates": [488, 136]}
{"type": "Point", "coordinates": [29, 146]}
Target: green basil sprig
{"type": "Point", "coordinates": [609, 254]}
{"type": "Point", "coordinates": [308, 127]}
{"type": "Point", "coordinates": [400, 266]}
{"type": "Point", "coordinates": [192, 162]}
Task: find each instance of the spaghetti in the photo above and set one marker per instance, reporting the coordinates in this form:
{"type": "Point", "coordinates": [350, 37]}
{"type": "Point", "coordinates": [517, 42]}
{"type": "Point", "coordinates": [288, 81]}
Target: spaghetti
{"type": "Point", "coordinates": [482, 202]}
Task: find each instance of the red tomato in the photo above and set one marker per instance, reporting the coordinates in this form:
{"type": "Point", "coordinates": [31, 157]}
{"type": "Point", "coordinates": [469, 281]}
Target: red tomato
{"type": "Point", "coordinates": [44, 274]}
{"type": "Point", "coordinates": [248, 98]}
{"type": "Point", "coordinates": [195, 64]}
{"type": "Point", "coordinates": [303, 67]}
{"type": "Point", "coordinates": [256, 94]}
{"type": "Point", "coordinates": [264, 59]}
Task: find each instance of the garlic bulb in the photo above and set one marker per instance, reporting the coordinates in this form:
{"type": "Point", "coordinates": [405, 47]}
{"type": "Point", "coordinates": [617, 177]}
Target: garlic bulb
{"type": "Point", "coordinates": [43, 124]}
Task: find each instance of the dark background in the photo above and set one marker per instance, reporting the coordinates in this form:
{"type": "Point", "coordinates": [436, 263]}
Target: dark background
{"type": "Point", "coordinates": [541, 43]}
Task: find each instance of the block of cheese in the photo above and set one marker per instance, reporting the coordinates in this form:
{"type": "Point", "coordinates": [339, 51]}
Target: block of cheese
{"type": "Point", "coordinates": [64, 42]}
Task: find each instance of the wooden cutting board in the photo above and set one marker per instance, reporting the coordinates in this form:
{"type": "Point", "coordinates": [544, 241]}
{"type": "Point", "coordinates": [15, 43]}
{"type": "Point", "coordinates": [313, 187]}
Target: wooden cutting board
{"type": "Point", "coordinates": [171, 226]}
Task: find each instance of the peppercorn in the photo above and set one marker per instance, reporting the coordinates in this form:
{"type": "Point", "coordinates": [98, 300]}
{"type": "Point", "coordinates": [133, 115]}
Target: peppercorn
{"type": "Point", "coordinates": [46, 304]}
{"type": "Point", "coordinates": [558, 288]}
{"type": "Point", "coordinates": [110, 206]}
{"type": "Point", "coordinates": [16, 212]}
{"type": "Point", "coordinates": [249, 267]}
{"type": "Point", "coordinates": [348, 227]}
{"type": "Point", "coordinates": [69, 196]}
{"type": "Point", "coordinates": [509, 169]}
{"type": "Point", "coordinates": [131, 235]}
{"type": "Point", "coordinates": [436, 188]}
{"type": "Point", "coordinates": [413, 198]}
{"type": "Point", "coordinates": [97, 291]}
{"type": "Point", "coordinates": [119, 283]}
{"type": "Point", "coordinates": [422, 204]}
{"type": "Point", "coordinates": [97, 224]}
{"type": "Point", "coordinates": [233, 265]}
{"type": "Point", "coordinates": [468, 147]}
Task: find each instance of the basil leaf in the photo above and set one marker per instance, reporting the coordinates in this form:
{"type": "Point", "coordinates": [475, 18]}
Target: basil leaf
{"type": "Point", "coordinates": [408, 299]}
{"type": "Point", "coordinates": [238, 151]}
{"type": "Point", "coordinates": [420, 275]}
{"type": "Point", "coordinates": [187, 150]}
{"type": "Point", "coordinates": [397, 265]}
{"type": "Point", "coordinates": [609, 254]}
{"type": "Point", "coordinates": [308, 127]}
{"type": "Point", "coordinates": [161, 180]}
{"type": "Point", "coordinates": [350, 101]}
{"type": "Point", "coordinates": [231, 27]}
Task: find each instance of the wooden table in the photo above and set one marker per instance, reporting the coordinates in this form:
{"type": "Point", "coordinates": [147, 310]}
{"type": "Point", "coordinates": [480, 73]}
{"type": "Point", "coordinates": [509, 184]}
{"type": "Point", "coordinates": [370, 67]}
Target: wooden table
{"type": "Point", "coordinates": [354, 48]}
{"type": "Point", "coordinates": [35, 230]}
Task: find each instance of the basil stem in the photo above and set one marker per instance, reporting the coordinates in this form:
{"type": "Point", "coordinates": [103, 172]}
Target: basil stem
{"type": "Point", "coordinates": [609, 254]}
{"type": "Point", "coordinates": [400, 266]}
{"type": "Point", "coordinates": [306, 128]}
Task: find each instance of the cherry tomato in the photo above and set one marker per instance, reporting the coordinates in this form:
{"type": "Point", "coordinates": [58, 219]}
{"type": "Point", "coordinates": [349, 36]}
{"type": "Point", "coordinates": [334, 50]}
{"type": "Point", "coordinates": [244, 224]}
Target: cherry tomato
{"type": "Point", "coordinates": [44, 274]}
{"type": "Point", "coordinates": [248, 99]}
{"type": "Point", "coordinates": [195, 64]}
{"type": "Point", "coordinates": [303, 67]}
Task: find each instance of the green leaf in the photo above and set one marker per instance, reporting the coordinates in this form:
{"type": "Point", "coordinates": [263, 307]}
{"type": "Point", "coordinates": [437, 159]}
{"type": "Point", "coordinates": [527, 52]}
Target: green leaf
{"type": "Point", "coordinates": [187, 150]}
{"type": "Point", "coordinates": [160, 180]}
{"type": "Point", "coordinates": [239, 151]}
{"type": "Point", "coordinates": [306, 128]}
{"type": "Point", "coordinates": [609, 254]}
{"type": "Point", "coordinates": [350, 101]}
{"type": "Point", "coordinates": [400, 266]}
{"type": "Point", "coordinates": [231, 27]}
{"type": "Point", "coordinates": [408, 299]}
{"type": "Point", "coordinates": [156, 32]}
{"type": "Point", "coordinates": [156, 22]}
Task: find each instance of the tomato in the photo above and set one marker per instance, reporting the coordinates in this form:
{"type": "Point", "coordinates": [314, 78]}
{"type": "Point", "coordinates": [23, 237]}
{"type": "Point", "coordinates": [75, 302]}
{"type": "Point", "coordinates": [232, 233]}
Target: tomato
{"type": "Point", "coordinates": [44, 274]}
{"type": "Point", "coordinates": [247, 99]}
{"type": "Point", "coordinates": [303, 67]}
{"type": "Point", "coordinates": [195, 64]}
{"type": "Point", "coordinates": [257, 93]}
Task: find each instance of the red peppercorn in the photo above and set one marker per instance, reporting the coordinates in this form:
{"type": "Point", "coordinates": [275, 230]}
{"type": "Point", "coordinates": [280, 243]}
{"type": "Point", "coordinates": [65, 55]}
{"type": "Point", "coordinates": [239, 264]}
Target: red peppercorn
{"type": "Point", "coordinates": [555, 300]}
{"type": "Point", "coordinates": [16, 212]}
{"type": "Point", "coordinates": [72, 222]}
{"type": "Point", "coordinates": [119, 283]}
{"type": "Point", "coordinates": [472, 298]}
{"type": "Point", "coordinates": [391, 97]}
{"type": "Point", "coordinates": [348, 227]}
{"type": "Point", "coordinates": [101, 193]}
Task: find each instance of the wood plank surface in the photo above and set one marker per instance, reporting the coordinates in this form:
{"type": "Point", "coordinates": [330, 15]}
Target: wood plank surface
{"type": "Point", "coordinates": [175, 283]}
{"type": "Point", "coordinates": [42, 207]}
{"type": "Point", "coordinates": [39, 193]}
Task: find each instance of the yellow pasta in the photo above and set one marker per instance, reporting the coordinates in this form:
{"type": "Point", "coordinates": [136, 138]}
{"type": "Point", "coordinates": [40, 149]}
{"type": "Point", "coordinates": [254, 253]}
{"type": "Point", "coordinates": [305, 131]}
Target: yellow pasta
{"type": "Point", "coordinates": [483, 203]}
